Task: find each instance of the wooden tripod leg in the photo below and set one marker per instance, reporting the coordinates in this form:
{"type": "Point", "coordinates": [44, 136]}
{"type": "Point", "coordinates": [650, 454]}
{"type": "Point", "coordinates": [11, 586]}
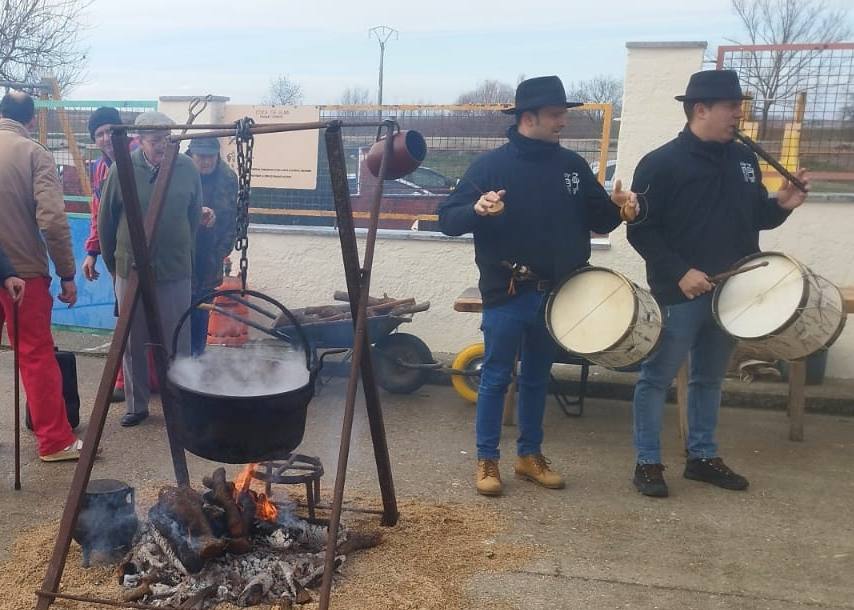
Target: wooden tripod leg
{"type": "Point", "coordinates": [360, 279]}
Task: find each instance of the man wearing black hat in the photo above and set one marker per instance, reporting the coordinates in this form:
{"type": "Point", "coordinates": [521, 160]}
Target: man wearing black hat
{"type": "Point", "coordinates": [531, 205]}
{"type": "Point", "coordinates": [215, 238]}
{"type": "Point", "coordinates": [703, 205]}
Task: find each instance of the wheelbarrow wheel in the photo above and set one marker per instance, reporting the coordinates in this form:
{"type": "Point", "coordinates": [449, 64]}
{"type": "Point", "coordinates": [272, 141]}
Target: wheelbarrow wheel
{"type": "Point", "coordinates": [403, 347]}
{"type": "Point", "coordinates": [469, 360]}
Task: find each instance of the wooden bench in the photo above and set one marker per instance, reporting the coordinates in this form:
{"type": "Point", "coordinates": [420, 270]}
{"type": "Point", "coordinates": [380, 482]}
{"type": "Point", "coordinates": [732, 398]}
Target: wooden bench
{"type": "Point", "coordinates": [797, 381]}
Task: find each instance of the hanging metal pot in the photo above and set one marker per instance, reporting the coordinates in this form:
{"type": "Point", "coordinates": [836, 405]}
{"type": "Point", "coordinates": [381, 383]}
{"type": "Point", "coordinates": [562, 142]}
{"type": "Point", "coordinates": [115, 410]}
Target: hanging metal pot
{"type": "Point", "coordinates": [244, 429]}
{"type": "Point", "coordinates": [408, 151]}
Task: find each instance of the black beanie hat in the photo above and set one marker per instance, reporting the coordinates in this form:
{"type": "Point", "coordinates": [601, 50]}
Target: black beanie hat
{"type": "Point", "coordinates": [105, 115]}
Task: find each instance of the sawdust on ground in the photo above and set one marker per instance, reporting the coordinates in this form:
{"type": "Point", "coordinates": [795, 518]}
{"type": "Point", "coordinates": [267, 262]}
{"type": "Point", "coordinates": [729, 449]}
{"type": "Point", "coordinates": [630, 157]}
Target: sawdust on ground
{"type": "Point", "coordinates": [423, 563]}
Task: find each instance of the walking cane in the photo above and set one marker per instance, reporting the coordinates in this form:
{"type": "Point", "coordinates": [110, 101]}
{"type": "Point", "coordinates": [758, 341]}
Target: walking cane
{"type": "Point", "coordinates": [17, 367]}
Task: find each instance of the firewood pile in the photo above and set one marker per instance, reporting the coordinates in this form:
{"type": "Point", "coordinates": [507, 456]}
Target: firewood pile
{"type": "Point", "coordinates": [377, 306]}
{"type": "Point", "coordinates": [228, 544]}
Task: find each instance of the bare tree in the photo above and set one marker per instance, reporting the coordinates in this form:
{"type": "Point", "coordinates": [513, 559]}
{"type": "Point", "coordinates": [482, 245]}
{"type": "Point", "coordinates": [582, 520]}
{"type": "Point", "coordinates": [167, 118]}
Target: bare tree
{"type": "Point", "coordinates": [600, 89]}
{"type": "Point", "coordinates": [776, 75]}
{"type": "Point", "coordinates": [355, 96]}
{"type": "Point", "coordinates": [489, 92]}
{"type": "Point", "coordinates": [40, 38]}
{"type": "Point", "coordinates": [284, 92]}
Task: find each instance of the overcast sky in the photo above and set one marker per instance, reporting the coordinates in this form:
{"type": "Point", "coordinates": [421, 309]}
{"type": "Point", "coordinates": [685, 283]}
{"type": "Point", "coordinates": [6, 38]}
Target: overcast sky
{"type": "Point", "coordinates": [141, 50]}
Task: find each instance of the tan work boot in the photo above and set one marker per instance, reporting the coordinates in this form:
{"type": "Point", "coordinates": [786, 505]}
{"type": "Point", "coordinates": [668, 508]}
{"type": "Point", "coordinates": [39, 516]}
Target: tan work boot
{"type": "Point", "coordinates": [488, 480]}
{"type": "Point", "coordinates": [536, 468]}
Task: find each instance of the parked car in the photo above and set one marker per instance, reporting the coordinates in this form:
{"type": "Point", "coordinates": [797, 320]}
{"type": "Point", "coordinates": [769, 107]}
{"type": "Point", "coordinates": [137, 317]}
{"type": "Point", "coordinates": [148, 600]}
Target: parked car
{"type": "Point", "coordinates": [431, 180]}
{"type": "Point", "coordinates": [422, 182]}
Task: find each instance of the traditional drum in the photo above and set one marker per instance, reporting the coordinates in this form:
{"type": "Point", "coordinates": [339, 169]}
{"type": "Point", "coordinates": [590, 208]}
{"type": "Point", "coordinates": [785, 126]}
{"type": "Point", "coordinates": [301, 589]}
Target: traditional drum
{"type": "Point", "coordinates": [601, 315]}
{"type": "Point", "coordinates": [784, 308]}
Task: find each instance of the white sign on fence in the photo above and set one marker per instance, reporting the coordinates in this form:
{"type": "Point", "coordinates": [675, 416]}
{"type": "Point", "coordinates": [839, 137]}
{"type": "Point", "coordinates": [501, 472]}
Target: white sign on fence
{"type": "Point", "coordinates": [280, 160]}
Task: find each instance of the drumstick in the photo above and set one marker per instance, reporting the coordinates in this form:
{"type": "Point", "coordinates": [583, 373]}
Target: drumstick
{"type": "Point", "coordinates": [728, 274]}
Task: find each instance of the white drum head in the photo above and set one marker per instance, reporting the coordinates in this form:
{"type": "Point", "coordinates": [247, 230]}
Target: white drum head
{"type": "Point", "coordinates": [759, 302]}
{"type": "Point", "coordinates": [592, 311]}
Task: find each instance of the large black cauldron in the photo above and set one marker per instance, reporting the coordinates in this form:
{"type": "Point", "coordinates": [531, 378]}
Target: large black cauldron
{"type": "Point", "coordinates": [244, 429]}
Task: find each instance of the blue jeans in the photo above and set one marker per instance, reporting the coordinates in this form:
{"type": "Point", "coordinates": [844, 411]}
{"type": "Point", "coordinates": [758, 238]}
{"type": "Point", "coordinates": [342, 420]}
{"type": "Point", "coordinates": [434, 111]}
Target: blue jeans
{"type": "Point", "coordinates": [518, 322]}
{"type": "Point", "coordinates": [689, 328]}
{"type": "Point", "coordinates": [199, 327]}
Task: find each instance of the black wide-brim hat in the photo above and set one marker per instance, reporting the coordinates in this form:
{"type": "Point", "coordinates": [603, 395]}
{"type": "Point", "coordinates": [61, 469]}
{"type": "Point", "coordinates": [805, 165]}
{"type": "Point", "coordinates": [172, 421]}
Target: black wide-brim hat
{"type": "Point", "coordinates": [713, 85]}
{"type": "Point", "coordinates": [539, 92]}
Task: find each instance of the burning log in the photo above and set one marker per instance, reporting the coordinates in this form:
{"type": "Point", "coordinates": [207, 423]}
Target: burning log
{"type": "Point", "coordinates": [174, 539]}
{"type": "Point", "coordinates": [185, 506]}
{"type": "Point", "coordinates": [239, 527]}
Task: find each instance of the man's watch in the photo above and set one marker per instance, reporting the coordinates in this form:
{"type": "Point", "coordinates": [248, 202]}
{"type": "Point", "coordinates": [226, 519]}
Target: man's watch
{"type": "Point", "coordinates": [69, 278]}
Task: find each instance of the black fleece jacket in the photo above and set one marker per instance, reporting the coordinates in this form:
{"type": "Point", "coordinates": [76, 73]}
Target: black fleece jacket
{"type": "Point", "coordinates": [552, 203]}
{"type": "Point", "coordinates": [702, 206]}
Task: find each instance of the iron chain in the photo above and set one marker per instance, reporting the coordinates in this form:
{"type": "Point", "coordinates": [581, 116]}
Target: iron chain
{"type": "Point", "coordinates": [245, 145]}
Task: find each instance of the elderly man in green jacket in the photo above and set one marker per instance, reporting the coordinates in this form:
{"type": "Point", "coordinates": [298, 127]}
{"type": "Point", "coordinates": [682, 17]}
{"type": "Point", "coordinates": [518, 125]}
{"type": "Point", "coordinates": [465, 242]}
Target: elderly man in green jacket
{"type": "Point", "coordinates": [172, 262]}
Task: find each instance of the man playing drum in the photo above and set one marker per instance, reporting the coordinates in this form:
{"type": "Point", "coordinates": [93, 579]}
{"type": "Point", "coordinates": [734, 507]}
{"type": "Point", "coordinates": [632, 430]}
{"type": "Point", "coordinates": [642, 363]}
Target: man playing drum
{"type": "Point", "coordinates": [702, 207]}
{"type": "Point", "coordinates": [531, 205]}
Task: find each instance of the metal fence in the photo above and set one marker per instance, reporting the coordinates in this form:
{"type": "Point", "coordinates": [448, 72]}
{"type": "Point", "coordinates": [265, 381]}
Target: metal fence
{"type": "Point", "coordinates": [455, 135]}
{"type": "Point", "coordinates": [803, 111]}
{"type": "Point", "coordinates": [62, 126]}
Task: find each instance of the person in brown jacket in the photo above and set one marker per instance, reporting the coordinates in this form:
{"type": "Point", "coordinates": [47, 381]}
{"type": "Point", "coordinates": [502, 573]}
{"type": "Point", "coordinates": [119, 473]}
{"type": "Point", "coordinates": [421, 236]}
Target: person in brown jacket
{"type": "Point", "coordinates": [35, 224]}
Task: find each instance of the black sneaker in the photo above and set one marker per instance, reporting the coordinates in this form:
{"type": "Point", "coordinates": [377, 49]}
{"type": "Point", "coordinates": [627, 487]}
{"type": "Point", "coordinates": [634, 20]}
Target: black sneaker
{"type": "Point", "coordinates": [714, 471]}
{"type": "Point", "coordinates": [650, 481]}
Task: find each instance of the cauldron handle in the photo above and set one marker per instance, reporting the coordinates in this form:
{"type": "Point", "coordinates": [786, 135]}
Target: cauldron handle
{"type": "Point", "coordinates": [254, 293]}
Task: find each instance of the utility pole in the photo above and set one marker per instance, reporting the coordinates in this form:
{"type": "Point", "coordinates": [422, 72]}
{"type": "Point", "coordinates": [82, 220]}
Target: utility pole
{"type": "Point", "coordinates": [382, 33]}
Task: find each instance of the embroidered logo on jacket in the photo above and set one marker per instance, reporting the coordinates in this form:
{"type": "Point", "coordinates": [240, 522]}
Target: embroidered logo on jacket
{"type": "Point", "coordinates": [573, 182]}
{"type": "Point", "coordinates": [748, 172]}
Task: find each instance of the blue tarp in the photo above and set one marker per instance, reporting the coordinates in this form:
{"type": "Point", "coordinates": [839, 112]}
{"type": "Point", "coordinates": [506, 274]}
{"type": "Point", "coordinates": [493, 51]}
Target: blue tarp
{"type": "Point", "coordinates": [95, 300]}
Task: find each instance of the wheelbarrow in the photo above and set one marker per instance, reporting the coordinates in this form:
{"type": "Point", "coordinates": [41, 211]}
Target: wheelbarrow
{"type": "Point", "coordinates": [402, 362]}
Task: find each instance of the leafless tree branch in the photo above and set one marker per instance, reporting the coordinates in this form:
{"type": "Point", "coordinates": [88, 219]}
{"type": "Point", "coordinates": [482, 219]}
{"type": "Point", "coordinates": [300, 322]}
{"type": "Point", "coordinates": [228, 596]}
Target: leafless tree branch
{"type": "Point", "coordinates": [40, 38]}
{"type": "Point", "coordinates": [489, 92]}
{"type": "Point", "coordinates": [284, 92]}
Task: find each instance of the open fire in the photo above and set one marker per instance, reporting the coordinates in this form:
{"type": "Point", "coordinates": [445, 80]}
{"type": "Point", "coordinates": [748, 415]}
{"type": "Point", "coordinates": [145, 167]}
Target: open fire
{"type": "Point", "coordinates": [230, 543]}
{"type": "Point", "coordinates": [265, 510]}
